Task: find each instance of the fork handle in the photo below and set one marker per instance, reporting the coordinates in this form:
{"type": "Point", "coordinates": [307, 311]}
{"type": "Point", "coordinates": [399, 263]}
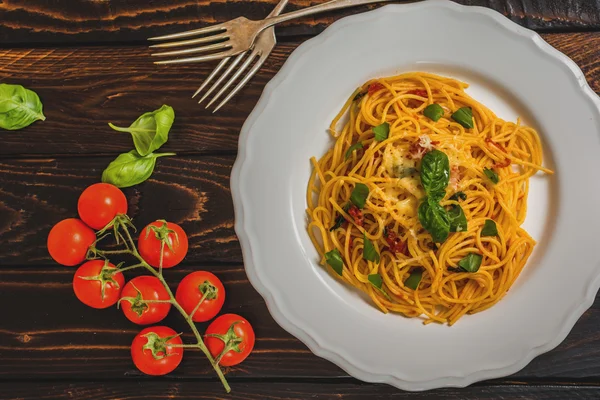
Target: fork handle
{"type": "Point", "coordinates": [330, 5]}
{"type": "Point", "coordinates": [278, 8]}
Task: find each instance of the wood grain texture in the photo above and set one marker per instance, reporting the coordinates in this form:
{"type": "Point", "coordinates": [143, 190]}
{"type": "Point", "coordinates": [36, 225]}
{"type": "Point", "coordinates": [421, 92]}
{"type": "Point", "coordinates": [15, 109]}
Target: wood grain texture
{"type": "Point", "coordinates": [315, 390]}
{"type": "Point", "coordinates": [51, 335]}
{"type": "Point", "coordinates": [84, 88]}
{"type": "Point", "coordinates": [79, 21]}
{"type": "Point", "coordinates": [191, 191]}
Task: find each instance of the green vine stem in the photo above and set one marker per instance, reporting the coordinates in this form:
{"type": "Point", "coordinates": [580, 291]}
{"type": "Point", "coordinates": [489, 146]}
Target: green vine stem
{"type": "Point", "coordinates": [122, 221]}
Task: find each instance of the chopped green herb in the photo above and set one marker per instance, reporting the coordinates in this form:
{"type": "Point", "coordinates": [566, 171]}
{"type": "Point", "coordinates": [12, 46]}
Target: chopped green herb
{"type": "Point", "coordinates": [377, 282]}
{"type": "Point", "coordinates": [471, 263]}
{"type": "Point", "coordinates": [334, 259]}
{"type": "Point", "coordinates": [489, 228]}
{"type": "Point", "coordinates": [339, 220]}
{"type": "Point", "coordinates": [369, 252]}
{"type": "Point", "coordinates": [359, 195]}
{"type": "Point", "coordinates": [359, 96]}
{"type": "Point", "coordinates": [458, 220]}
{"type": "Point", "coordinates": [458, 196]}
{"type": "Point", "coordinates": [381, 131]}
{"type": "Point", "coordinates": [434, 112]}
{"type": "Point", "coordinates": [352, 148]}
{"type": "Point", "coordinates": [464, 116]}
{"type": "Point", "coordinates": [414, 279]}
{"type": "Point", "coordinates": [492, 175]}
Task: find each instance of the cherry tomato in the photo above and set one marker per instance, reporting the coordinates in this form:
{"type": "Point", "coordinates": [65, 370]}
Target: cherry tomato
{"type": "Point", "coordinates": [100, 203]}
{"type": "Point", "coordinates": [151, 240]}
{"type": "Point", "coordinates": [152, 352]}
{"type": "Point", "coordinates": [230, 339]}
{"type": "Point", "coordinates": [201, 285]}
{"type": "Point", "coordinates": [69, 240]}
{"type": "Point", "coordinates": [137, 300]}
{"type": "Point", "coordinates": [96, 286]}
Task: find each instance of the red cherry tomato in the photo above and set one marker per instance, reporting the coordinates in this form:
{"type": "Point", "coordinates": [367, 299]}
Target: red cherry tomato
{"type": "Point", "coordinates": [175, 243]}
{"type": "Point", "coordinates": [96, 286]}
{"type": "Point", "coordinates": [230, 339]}
{"type": "Point", "coordinates": [69, 240]}
{"type": "Point", "coordinates": [197, 286]}
{"type": "Point", "coordinates": [137, 300]}
{"type": "Point", "coordinates": [152, 350]}
{"type": "Point", "coordinates": [100, 203]}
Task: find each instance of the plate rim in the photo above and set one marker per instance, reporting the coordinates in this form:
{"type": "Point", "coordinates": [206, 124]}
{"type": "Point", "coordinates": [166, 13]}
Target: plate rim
{"type": "Point", "coordinates": [273, 305]}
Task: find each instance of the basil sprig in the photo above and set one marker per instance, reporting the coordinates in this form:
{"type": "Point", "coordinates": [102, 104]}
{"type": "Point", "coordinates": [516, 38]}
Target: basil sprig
{"type": "Point", "coordinates": [19, 107]}
{"type": "Point", "coordinates": [434, 219]}
{"type": "Point", "coordinates": [435, 173]}
{"type": "Point", "coordinates": [458, 219]}
{"type": "Point", "coordinates": [130, 169]}
{"type": "Point", "coordinates": [150, 130]}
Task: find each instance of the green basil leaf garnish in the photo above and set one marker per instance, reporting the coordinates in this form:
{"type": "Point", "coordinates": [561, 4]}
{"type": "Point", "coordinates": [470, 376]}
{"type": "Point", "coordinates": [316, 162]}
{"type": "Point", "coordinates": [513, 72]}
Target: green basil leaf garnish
{"type": "Point", "coordinates": [130, 169]}
{"type": "Point", "coordinates": [334, 259]}
{"type": "Point", "coordinates": [359, 195]}
{"type": "Point", "coordinates": [369, 252]}
{"type": "Point", "coordinates": [414, 279]}
{"type": "Point", "coordinates": [339, 220]}
{"type": "Point", "coordinates": [458, 220]}
{"type": "Point", "coordinates": [471, 262]}
{"type": "Point", "coordinates": [458, 196]}
{"type": "Point", "coordinates": [352, 148]}
{"type": "Point", "coordinates": [434, 219]}
{"type": "Point", "coordinates": [435, 173]}
{"type": "Point", "coordinates": [19, 107]}
{"type": "Point", "coordinates": [376, 280]}
{"type": "Point", "coordinates": [464, 116]}
{"type": "Point", "coordinates": [381, 131]}
{"type": "Point", "coordinates": [150, 130]}
{"type": "Point", "coordinates": [489, 228]}
{"type": "Point", "coordinates": [359, 96]}
{"type": "Point", "coordinates": [492, 175]}
{"type": "Point", "coordinates": [434, 112]}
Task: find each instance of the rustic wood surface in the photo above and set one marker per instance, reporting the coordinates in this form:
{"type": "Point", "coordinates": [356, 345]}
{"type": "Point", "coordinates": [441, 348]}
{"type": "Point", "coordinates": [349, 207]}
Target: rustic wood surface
{"type": "Point", "coordinates": [89, 63]}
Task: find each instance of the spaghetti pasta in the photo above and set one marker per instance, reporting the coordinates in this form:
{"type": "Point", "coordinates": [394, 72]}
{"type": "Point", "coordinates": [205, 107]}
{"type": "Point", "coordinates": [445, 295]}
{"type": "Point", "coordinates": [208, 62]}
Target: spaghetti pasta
{"type": "Point", "coordinates": [374, 211]}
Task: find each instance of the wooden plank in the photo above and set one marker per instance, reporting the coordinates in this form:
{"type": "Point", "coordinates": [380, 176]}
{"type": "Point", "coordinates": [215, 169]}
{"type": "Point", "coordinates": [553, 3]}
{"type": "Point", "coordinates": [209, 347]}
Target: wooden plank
{"type": "Point", "coordinates": [85, 88]}
{"type": "Point", "coordinates": [80, 21]}
{"type": "Point", "coordinates": [191, 191]}
{"type": "Point", "coordinates": [53, 336]}
{"type": "Point", "coordinates": [315, 389]}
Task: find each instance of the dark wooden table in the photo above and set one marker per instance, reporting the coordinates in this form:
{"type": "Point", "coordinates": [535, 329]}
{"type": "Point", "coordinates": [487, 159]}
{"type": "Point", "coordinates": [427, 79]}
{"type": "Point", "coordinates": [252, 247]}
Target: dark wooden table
{"type": "Point", "coordinates": [88, 61]}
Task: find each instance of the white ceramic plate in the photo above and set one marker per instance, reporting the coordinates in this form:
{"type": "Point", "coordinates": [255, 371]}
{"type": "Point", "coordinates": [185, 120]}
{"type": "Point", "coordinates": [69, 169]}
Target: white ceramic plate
{"type": "Point", "coordinates": [511, 70]}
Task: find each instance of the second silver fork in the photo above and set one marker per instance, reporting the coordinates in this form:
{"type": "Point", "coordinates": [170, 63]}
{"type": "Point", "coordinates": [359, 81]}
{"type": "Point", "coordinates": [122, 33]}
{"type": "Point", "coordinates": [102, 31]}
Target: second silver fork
{"type": "Point", "coordinates": [263, 47]}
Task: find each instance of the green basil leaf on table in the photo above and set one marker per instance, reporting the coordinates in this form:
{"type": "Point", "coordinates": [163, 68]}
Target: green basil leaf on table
{"type": "Point", "coordinates": [434, 219]}
{"type": "Point", "coordinates": [464, 116]}
{"type": "Point", "coordinates": [414, 279]}
{"type": "Point", "coordinates": [369, 252]}
{"type": "Point", "coordinates": [458, 220]}
{"type": "Point", "coordinates": [471, 262]}
{"type": "Point", "coordinates": [150, 130]}
{"type": "Point", "coordinates": [458, 196]}
{"type": "Point", "coordinates": [359, 195]}
{"type": "Point", "coordinates": [492, 175]}
{"type": "Point", "coordinates": [381, 131]}
{"type": "Point", "coordinates": [489, 228]}
{"type": "Point", "coordinates": [434, 112]}
{"type": "Point", "coordinates": [19, 107]}
{"type": "Point", "coordinates": [130, 169]}
{"type": "Point", "coordinates": [435, 173]}
{"type": "Point", "coordinates": [334, 259]}
{"type": "Point", "coordinates": [352, 148]}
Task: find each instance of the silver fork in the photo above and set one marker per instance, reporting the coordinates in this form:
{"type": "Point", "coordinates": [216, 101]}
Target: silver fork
{"type": "Point", "coordinates": [236, 36]}
{"type": "Point", "coordinates": [262, 48]}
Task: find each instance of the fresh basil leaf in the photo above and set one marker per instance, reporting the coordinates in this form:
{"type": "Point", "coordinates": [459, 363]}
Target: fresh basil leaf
{"type": "Point", "coordinates": [376, 280]}
{"type": "Point", "coordinates": [334, 259]}
{"type": "Point", "coordinates": [489, 228]}
{"type": "Point", "coordinates": [414, 279]}
{"type": "Point", "coordinates": [19, 107]}
{"type": "Point", "coordinates": [464, 116]}
{"type": "Point", "coordinates": [130, 169]}
{"type": "Point", "coordinates": [471, 262]}
{"type": "Point", "coordinates": [434, 112]}
{"type": "Point", "coordinates": [359, 195]}
{"type": "Point", "coordinates": [359, 96]}
{"type": "Point", "coordinates": [352, 148]}
{"type": "Point", "coordinates": [369, 252]}
{"type": "Point", "coordinates": [492, 175]}
{"type": "Point", "coordinates": [381, 131]}
{"type": "Point", "coordinates": [458, 220]}
{"type": "Point", "coordinates": [434, 219]}
{"type": "Point", "coordinates": [339, 220]}
{"type": "Point", "coordinates": [151, 130]}
{"type": "Point", "coordinates": [435, 173]}
{"type": "Point", "coordinates": [458, 196]}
